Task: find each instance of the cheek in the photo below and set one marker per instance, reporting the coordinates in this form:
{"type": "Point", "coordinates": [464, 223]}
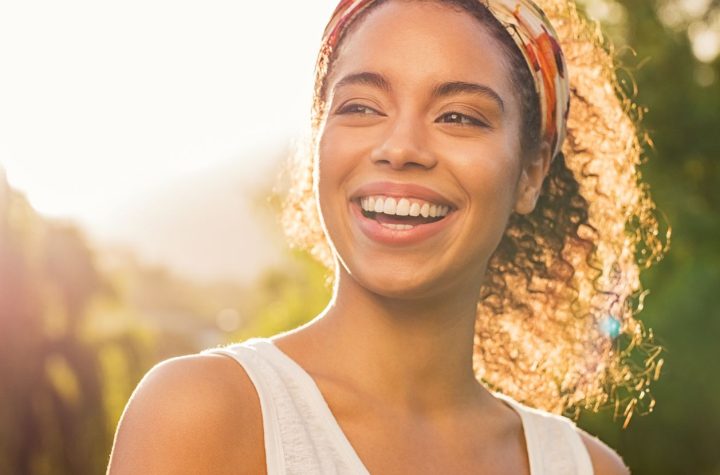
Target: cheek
{"type": "Point", "coordinates": [488, 172]}
{"type": "Point", "coordinates": [336, 158]}
{"type": "Point", "coordinates": [339, 153]}
{"type": "Point", "coordinates": [329, 165]}
{"type": "Point", "coordinates": [493, 183]}
{"type": "Point", "coordinates": [488, 176]}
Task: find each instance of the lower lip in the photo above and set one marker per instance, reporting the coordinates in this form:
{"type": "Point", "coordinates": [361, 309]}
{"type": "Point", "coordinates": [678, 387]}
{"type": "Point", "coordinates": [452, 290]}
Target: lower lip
{"type": "Point", "coordinates": [379, 233]}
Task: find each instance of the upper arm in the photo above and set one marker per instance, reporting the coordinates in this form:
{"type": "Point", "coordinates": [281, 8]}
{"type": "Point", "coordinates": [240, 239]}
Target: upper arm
{"type": "Point", "coordinates": [191, 414]}
{"type": "Point", "coordinates": [605, 460]}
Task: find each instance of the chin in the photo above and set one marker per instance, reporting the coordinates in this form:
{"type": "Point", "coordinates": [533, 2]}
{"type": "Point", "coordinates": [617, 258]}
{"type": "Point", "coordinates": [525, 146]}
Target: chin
{"type": "Point", "coordinates": [397, 281]}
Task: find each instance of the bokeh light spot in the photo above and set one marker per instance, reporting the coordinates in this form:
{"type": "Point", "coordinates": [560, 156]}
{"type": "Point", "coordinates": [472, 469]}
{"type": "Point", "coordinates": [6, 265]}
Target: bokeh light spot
{"type": "Point", "coordinates": [610, 326]}
{"type": "Point", "coordinates": [228, 320]}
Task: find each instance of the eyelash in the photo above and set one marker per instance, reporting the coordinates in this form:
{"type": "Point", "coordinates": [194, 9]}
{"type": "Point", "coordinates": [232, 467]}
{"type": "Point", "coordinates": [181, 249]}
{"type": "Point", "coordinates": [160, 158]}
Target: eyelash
{"type": "Point", "coordinates": [348, 109]}
{"type": "Point", "coordinates": [363, 110]}
{"type": "Point", "coordinates": [471, 121]}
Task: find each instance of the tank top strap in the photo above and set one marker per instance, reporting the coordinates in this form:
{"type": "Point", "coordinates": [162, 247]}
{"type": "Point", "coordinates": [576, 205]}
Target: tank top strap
{"type": "Point", "coordinates": [554, 443]}
{"type": "Point", "coordinates": [266, 387]}
{"type": "Point", "coordinates": [301, 434]}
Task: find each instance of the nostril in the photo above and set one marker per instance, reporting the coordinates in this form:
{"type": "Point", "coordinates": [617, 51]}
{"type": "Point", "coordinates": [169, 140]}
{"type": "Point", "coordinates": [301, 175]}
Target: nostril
{"type": "Point", "coordinates": [403, 155]}
{"type": "Point", "coordinates": [402, 164]}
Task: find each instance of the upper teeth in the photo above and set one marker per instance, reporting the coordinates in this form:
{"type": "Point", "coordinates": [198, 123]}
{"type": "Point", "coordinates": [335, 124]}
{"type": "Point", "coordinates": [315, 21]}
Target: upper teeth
{"type": "Point", "coordinates": [403, 206]}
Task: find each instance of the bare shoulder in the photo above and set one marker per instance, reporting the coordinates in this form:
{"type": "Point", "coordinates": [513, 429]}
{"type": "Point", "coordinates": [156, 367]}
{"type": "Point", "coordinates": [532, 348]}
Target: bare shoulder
{"type": "Point", "coordinates": [605, 460]}
{"type": "Point", "coordinates": [191, 414]}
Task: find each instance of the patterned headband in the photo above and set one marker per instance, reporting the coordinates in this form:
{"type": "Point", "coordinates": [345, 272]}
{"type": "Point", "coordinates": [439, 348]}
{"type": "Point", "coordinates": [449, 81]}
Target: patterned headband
{"type": "Point", "coordinates": [537, 40]}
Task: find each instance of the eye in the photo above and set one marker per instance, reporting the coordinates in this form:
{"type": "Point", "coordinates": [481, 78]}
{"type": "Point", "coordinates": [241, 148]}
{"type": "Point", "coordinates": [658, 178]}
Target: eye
{"type": "Point", "coordinates": [356, 109]}
{"type": "Point", "coordinates": [460, 119]}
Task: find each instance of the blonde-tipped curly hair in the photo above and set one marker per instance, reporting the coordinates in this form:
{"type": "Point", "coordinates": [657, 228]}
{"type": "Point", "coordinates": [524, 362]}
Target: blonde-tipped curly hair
{"type": "Point", "coordinates": [556, 326]}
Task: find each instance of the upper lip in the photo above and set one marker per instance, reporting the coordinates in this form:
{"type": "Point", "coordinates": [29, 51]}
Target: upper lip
{"type": "Point", "coordinates": [401, 190]}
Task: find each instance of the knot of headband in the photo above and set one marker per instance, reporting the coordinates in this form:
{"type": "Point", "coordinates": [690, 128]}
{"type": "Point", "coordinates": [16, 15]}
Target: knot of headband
{"type": "Point", "coordinates": [536, 38]}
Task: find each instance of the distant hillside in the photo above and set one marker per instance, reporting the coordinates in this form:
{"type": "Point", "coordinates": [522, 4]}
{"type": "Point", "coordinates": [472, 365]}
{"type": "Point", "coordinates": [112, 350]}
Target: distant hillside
{"type": "Point", "coordinates": [213, 225]}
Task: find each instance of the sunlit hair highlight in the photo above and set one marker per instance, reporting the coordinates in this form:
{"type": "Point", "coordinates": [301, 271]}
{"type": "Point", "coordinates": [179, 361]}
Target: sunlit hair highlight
{"type": "Point", "coordinates": [556, 320]}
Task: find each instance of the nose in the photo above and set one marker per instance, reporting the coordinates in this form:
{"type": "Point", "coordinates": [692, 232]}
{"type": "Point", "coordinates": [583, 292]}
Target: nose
{"type": "Point", "coordinates": [404, 145]}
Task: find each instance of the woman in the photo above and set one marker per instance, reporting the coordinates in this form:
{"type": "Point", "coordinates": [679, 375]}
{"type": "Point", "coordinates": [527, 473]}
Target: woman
{"type": "Point", "coordinates": [464, 280]}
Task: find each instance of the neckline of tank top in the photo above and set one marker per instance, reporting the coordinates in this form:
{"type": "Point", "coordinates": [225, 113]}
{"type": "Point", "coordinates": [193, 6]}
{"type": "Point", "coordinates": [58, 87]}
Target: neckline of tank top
{"type": "Point", "coordinates": [316, 399]}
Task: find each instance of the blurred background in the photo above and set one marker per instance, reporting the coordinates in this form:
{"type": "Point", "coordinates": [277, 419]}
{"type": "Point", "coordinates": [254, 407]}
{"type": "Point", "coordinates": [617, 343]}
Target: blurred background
{"type": "Point", "coordinates": [139, 145]}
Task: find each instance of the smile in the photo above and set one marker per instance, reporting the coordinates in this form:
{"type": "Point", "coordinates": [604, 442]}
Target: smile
{"type": "Point", "coordinates": [403, 207]}
{"type": "Point", "coordinates": [402, 221]}
{"type": "Point", "coordinates": [401, 213]}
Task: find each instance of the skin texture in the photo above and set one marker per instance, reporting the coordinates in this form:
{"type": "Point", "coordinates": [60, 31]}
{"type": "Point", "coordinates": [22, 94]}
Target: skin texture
{"type": "Point", "coordinates": [184, 418]}
{"type": "Point", "coordinates": [392, 352]}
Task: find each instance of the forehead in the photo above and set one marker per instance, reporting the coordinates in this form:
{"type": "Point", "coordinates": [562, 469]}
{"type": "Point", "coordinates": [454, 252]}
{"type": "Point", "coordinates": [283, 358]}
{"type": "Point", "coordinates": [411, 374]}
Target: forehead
{"type": "Point", "coordinates": [414, 42]}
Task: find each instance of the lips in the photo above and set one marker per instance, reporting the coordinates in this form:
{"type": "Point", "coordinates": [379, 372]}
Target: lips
{"type": "Point", "coordinates": [396, 231]}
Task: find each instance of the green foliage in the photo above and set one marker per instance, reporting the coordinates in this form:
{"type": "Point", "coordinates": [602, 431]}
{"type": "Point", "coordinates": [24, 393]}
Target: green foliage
{"type": "Point", "coordinates": [51, 416]}
{"type": "Point", "coordinates": [288, 298]}
{"type": "Point", "coordinates": [76, 337]}
{"type": "Point", "coordinates": [682, 97]}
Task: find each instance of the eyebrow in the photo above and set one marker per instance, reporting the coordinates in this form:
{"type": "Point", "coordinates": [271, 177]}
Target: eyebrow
{"type": "Point", "coordinates": [460, 87]}
{"type": "Point", "coordinates": [365, 78]}
{"type": "Point", "coordinates": [441, 90]}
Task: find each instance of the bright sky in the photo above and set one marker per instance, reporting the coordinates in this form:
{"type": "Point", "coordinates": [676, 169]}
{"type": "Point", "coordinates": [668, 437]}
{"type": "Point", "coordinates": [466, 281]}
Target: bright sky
{"type": "Point", "coordinates": [101, 101]}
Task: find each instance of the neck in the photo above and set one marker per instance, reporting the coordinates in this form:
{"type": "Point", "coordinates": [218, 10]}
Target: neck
{"type": "Point", "coordinates": [412, 354]}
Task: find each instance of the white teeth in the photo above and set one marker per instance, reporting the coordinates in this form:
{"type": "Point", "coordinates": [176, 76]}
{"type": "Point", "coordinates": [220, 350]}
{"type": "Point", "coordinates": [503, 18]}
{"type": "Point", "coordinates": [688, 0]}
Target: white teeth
{"type": "Point", "coordinates": [379, 205]}
{"type": "Point", "coordinates": [403, 206]}
{"type": "Point", "coordinates": [402, 227]}
{"type": "Point", "coordinates": [414, 209]}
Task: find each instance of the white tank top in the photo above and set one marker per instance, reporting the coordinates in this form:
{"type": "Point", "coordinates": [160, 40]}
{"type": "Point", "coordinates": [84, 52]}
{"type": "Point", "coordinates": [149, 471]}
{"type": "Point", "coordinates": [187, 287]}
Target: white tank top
{"type": "Point", "coordinates": [303, 437]}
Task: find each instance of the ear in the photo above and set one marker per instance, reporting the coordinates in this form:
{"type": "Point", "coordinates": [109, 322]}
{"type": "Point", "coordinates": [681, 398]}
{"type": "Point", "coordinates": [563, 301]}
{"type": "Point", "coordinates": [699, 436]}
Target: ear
{"type": "Point", "coordinates": [531, 179]}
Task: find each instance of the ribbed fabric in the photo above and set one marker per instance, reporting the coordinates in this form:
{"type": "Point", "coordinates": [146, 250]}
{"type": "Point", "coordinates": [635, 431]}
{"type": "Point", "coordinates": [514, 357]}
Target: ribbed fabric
{"type": "Point", "coordinates": [302, 436]}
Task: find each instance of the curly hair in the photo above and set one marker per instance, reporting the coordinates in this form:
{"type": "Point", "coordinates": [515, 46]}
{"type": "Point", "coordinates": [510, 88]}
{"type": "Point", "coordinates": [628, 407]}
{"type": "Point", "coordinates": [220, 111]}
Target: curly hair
{"type": "Point", "coordinates": [556, 324]}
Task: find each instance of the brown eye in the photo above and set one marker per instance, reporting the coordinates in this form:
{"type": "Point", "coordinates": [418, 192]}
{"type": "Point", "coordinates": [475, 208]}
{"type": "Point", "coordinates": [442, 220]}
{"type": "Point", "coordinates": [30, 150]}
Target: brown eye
{"type": "Point", "coordinates": [460, 119]}
{"type": "Point", "coordinates": [357, 109]}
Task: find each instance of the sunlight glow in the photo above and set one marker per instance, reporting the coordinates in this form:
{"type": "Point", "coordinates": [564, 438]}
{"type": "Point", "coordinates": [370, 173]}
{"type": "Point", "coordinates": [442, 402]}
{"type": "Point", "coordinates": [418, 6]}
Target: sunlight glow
{"type": "Point", "coordinates": [103, 101]}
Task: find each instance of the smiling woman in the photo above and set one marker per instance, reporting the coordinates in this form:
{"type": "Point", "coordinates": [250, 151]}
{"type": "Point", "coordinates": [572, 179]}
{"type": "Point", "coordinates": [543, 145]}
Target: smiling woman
{"type": "Point", "coordinates": [484, 267]}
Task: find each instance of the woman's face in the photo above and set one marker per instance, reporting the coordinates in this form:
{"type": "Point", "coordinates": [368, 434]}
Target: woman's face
{"type": "Point", "coordinates": [420, 112]}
